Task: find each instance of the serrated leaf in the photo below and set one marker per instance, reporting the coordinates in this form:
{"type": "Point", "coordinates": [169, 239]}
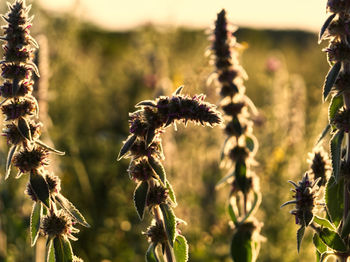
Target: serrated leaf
{"type": "Point", "coordinates": [325, 255]}
{"type": "Point", "coordinates": [181, 249]}
{"type": "Point", "coordinates": [324, 223]}
{"type": "Point", "coordinates": [151, 254]}
{"type": "Point", "coordinates": [47, 147]}
{"type": "Point", "coordinates": [50, 256]}
{"type": "Point", "coordinates": [150, 103]}
{"type": "Point", "coordinates": [171, 192]}
{"type": "Point", "coordinates": [332, 240]}
{"type": "Point", "coordinates": [40, 188]}
{"type": "Point", "coordinates": [300, 235]}
{"type": "Point", "coordinates": [320, 246]}
{"type": "Point", "coordinates": [12, 151]}
{"type": "Point", "coordinates": [71, 210]}
{"type": "Point", "coordinates": [346, 228]}
{"type": "Point", "coordinates": [127, 145]}
{"type": "Point", "coordinates": [140, 198]}
{"type": "Point", "coordinates": [151, 132]}
{"type": "Point", "coordinates": [178, 90]}
{"type": "Point", "coordinates": [232, 214]}
{"type": "Point", "coordinates": [169, 222]}
{"type": "Point", "coordinates": [35, 222]}
{"type": "Point", "coordinates": [334, 106]}
{"type": "Point", "coordinates": [242, 246]}
{"type": "Point", "coordinates": [334, 197]}
{"type": "Point", "coordinates": [325, 26]}
{"type": "Point", "coordinates": [158, 168]}
{"type": "Point", "coordinates": [24, 129]}
{"type": "Point", "coordinates": [330, 79]}
{"type": "Point", "coordinates": [335, 146]}
{"type": "Point", "coordinates": [323, 134]}
{"type": "Point", "coordinates": [63, 249]}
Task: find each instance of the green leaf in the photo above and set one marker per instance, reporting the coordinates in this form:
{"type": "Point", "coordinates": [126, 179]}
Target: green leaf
{"type": "Point", "coordinates": [300, 235]}
{"type": "Point", "coordinates": [320, 246]}
{"type": "Point", "coordinates": [127, 145]}
{"type": "Point", "coordinates": [171, 192]}
{"type": "Point", "coordinates": [323, 134]}
{"type": "Point", "coordinates": [334, 106]}
{"type": "Point", "coordinates": [24, 129]}
{"type": "Point", "coordinates": [53, 150]}
{"type": "Point", "coordinates": [157, 168]}
{"type": "Point", "coordinates": [346, 228]}
{"type": "Point", "coordinates": [242, 246]}
{"type": "Point", "coordinates": [332, 239]}
{"type": "Point", "coordinates": [241, 175]}
{"type": "Point", "coordinates": [325, 255]}
{"type": "Point", "coordinates": [169, 222]}
{"type": "Point", "coordinates": [318, 256]}
{"type": "Point", "coordinates": [330, 79]}
{"type": "Point", "coordinates": [140, 198]}
{"type": "Point", "coordinates": [324, 223]}
{"type": "Point", "coordinates": [35, 222]}
{"type": "Point", "coordinates": [51, 252]}
{"type": "Point", "coordinates": [251, 143]}
{"type": "Point", "coordinates": [224, 179]}
{"type": "Point", "coordinates": [151, 254]}
{"type": "Point", "coordinates": [335, 146]}
{"type": "Point", "coordinates": [232, 214]}
{"type": "Point", "coordinates": [254, 205]}
{"type": "Point", "coordinates": [71, 210]}
{"type": "Point", "coordinates": [40, 188]}
{"type": "Point", "coordinates": [151, 133]}
{"type": "Point", "coordinates": [12, 151]}
{"type": "Point", "coordinates": [325, 26]}
{"type": "Point", "coordinates": [63, 250]}
{"type": "Point", "coordinates": [181, 249]}
{"type": "Point", "coordinates": [334, 196]}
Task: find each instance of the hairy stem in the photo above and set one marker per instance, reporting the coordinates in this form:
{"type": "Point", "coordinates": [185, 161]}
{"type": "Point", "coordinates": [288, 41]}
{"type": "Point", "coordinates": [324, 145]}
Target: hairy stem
{"type": "Point", "coordinates": [169, 254]}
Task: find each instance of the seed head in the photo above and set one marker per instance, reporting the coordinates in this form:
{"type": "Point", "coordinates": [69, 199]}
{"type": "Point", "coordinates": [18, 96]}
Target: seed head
{"type": "Point", "coordinates": [18, 108]}
{"type": "Point", "coordinates": [57, 224]}
{"type": "Point", "coordinates": [156, 234]}
{"type": "Point", "coordinates": [306, 192]}
{"type": "Point", "coordinates": [342, 120]}
{"type": "Point", "coordinates": [140, 170]}
{"type": "Point", "coordinates": [157, 195]}
{"type": "Point", "coordinates": [28, 160]}
{"type": "Point", "coordinates": [14, 137]}
{"type": "Point", "coordinates": [30, 192]}
{"type": "Point", "coordinates": [320, 165]}
{"type": "Point", "coordinates": [54, 183]}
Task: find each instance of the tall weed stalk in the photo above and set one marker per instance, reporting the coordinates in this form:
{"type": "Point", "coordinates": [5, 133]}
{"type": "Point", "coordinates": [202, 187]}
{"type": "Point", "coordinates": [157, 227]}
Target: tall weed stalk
{"type": "Point", "coordinates": [240, 145]}
{"type": "Point", "coordinates": [154, 191]}
{"type": "Point", "coordinates": [52, 215]}
{"type": "Point", "coordinates": [327, 211]}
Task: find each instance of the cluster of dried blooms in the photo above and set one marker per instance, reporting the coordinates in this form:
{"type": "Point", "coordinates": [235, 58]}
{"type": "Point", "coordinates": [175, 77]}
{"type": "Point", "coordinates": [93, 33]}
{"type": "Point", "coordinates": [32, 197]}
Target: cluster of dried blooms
{"type": "Point", "coordinates": [52, 215]}
{"type": "Point", "coordinates": [240, 145]}
{"type": "Point", "coordinates": [144, 147]}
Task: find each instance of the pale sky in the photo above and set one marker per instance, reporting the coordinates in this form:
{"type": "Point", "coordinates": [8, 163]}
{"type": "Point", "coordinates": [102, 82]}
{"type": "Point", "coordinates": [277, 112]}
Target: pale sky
{"type": "Point", "coordinates": [125, 14]}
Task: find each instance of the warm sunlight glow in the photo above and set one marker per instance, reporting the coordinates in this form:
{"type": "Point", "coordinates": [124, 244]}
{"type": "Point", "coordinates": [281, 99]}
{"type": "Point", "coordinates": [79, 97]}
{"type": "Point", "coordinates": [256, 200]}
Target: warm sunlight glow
{"type": "Point", "coordinates": [117, 14]}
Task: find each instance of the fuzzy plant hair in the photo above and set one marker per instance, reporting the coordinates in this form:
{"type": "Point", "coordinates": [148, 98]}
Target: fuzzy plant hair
{"type": "Point", "coordinates": [52, 215]}
{"type": "Point", "coordinates": [153, 190]}
{"type": "Point", "coordinates": [327, 211]}
{"type": "Point", "coordinates": [240, 145]}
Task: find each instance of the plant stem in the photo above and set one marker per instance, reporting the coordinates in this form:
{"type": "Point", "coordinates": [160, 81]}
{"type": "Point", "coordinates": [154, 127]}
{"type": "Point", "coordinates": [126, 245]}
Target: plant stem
{"type": "Point", "coordinates": [346, 97]}
{"type": "Point", "coordinates": [159, 218]}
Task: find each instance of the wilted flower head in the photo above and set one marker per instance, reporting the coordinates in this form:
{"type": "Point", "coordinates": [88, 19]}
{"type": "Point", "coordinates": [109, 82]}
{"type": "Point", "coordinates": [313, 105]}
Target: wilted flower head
{"type": "Point", "coordinates": [28, 160]}
{"type": "Point", "coordinates": [155, 233]}
{"type": "Point", "coordinates": [319, 165]}
{"type": "Point", "coordinates": [306, 192]}
{"type": "Point", "coordinates": [57, 224]}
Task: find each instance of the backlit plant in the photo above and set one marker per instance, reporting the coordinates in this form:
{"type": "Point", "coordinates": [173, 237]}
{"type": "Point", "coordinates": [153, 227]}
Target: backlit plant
{"type": "Point", "coordinates": [52, 215]}
{"type": "Point", "coordinates": [329, 215]}
{"type": "Point", "coordinates": [240, 145]}
{"type": "Point", "coordinates": [154, 191]}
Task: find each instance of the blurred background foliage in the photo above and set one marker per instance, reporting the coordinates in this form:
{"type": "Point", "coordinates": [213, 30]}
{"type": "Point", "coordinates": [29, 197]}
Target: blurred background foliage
{"type": "Point", "coordinates": [96, 77]}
